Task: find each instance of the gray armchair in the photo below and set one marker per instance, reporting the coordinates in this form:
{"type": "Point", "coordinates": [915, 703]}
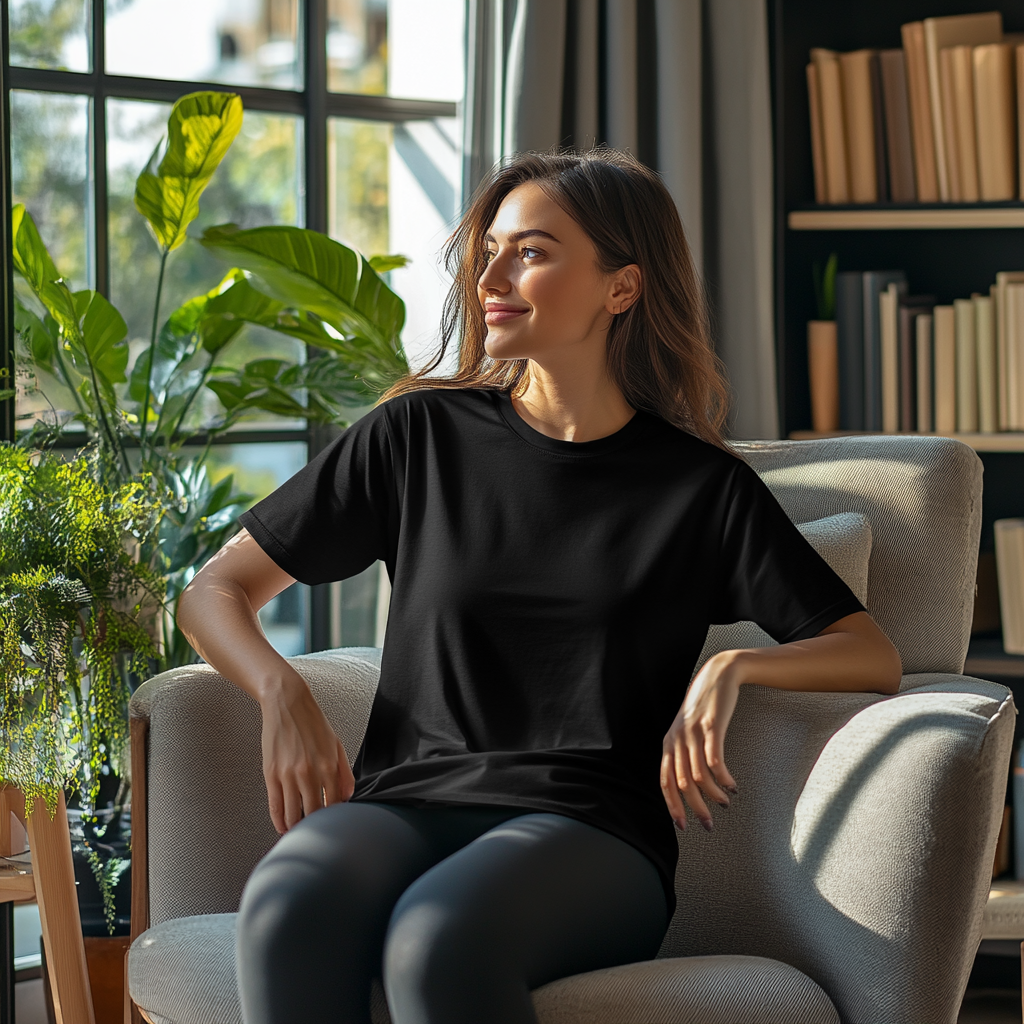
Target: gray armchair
{"type": "Point", "coordinates": [848, 880]}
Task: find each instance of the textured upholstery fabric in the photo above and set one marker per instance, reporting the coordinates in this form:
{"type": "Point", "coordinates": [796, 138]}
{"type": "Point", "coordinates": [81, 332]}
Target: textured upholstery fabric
{"type": "Point", "coordinates": [844, 541]}
{"type": "Point", "coordinates": [691, 990]}
{"type": "Point", "coordinates": [922, 496]}
{"type": "Point", "coordinates": [857, 850]}
{"type": "Point", "coordinates": [207, 809]}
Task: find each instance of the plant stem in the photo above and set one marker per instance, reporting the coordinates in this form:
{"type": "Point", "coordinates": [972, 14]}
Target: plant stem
{"type": "Point", "coordinates": [195, 391]}
{"type": "Point", "coordinates": [152, 351]}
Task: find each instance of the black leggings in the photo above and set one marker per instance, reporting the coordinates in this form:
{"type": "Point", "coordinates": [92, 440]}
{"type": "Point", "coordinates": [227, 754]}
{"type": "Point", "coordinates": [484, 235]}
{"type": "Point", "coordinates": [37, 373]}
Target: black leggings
{"type": "Point", "coordinates": [462, 910]}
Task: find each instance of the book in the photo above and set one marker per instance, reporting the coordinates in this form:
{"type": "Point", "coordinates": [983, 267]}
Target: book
{"type": "Point", "coordinates": [1006, 361]}
{"type": "Point", "coordinates": [830, 90]}
{"type": "Point", "coordinates": [859, 122]}
{"type": "Point", "coordinates": [944, 355]}
{"type": "Point", "coordinates": [995, 121]}
{"type": "Point", "coordinates": [911, 307]}
{"type": "Point", "coordinates": [966, 367]}
{"type": "Point", "coordinates": [817, 145]}
{"type": "Point", "coordinates": [888, 316]}
{"type": "Point", "coordinates": [1020, 121]}
{"type": "Point", "coordinates": [925, 373]}
{"type": "Point", "coordinates": [961, 59]}
{"type": "Point", "coordinates": [898, 137]}
{"type": "Point", "coordinates": [1014, 306]}
{"type": "Point", "coordinates": [1009, 541]}
{"type": "Point", "coordinates": [939, 33]}
{"type": "Point", "coordinates": [915, 56]}
{"type": "Point", "coordinates": [878, 124]}
{"type": "Point", "coordinates": [850, 343]}
{"type": "Point", "coordinates": [874, 283]}
{"type": "Point", "coordinates": [951, 158]}
{"type": "Point", "coordinates": [985, 339]}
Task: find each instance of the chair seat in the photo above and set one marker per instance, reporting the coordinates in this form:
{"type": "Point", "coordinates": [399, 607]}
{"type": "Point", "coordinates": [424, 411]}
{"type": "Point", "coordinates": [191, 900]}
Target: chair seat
{"type": "Point", "coordinates": [183, 972]}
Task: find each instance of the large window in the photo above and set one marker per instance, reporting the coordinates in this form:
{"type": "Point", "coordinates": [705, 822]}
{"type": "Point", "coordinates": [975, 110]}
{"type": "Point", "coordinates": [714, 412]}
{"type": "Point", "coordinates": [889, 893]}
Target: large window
{"type": "Point", "coordinates": [352, 126]}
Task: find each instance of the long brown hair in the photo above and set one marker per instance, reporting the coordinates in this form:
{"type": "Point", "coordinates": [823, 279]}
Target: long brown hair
{"type": "Point", "coordinates": [659, 349]}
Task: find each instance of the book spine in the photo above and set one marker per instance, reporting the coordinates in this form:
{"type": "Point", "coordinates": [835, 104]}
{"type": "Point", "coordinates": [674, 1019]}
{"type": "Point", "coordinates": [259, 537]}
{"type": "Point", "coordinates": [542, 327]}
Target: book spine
{"type": "Point", "coordinates": [878, 122]}
{"type": "Point", "coordinates": [1020, 121]}
{"type": "Point", "coordinates": [875, 282]}
{"type": "Point", "coordinates": [950, 166]}
{"type": "Point", "coordinates": [994, 119]}
{"type": "Point", "coordinates": [919, 97]}
{"type": "Point", "coordinates": [908, 368]}
{"type": "Point", "coordinates": [832, 122]}
{"type": "Point", "coordinates": [850, 340]}
{"type": "Point", "coordinates": [898, 137]}
{"type": "Point", "coordinates": [858, 116]}
{"type": "Point", "coordinates": [925, 376]}
{"type": "Point", "coordinates": [888, 310]}
{"type": "Point", "coordinates": [944, 331]}
{"type": "Point", "coordinates": [1009, 543]}
{"type": "Point", "coordinates": [966, 367]}
{"type": "Point", "coordinates": [817, 145]}
{"type": "Point", "coordinates": [1014, 353]}
{"type": "Point", "coordinates": [935, 98]}
{"type": "Point", "coordinates": [985, 338]}
{"type": "Point", "coordinates": [961, 60]}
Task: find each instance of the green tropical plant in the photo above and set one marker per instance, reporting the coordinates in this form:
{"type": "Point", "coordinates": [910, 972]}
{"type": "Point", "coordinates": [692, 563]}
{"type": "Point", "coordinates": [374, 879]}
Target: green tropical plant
{"type": "Point", "coordinates": [290, 280]}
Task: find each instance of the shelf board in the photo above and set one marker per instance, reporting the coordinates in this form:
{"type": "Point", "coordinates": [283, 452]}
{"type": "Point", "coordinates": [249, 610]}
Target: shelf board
{"type": "Point", "coordinates": [921, 218]}
{"type": "Point", "coordinates": [986, 658]}
{"type": "Point", "coordinates": [1004, 913]}
{"type": "Point", "coordinates": [1004, 441]}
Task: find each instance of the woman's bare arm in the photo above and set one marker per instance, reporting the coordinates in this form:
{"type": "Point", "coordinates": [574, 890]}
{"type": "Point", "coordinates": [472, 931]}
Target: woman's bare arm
{"type": "Point", "coordinates": [850, 655]}
{"type": "Point", "coordinates": [304, 762]}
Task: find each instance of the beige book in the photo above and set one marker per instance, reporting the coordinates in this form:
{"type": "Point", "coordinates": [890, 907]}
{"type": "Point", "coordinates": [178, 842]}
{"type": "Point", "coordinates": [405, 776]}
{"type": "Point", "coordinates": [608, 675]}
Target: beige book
{"type": "Point", "coordinates": [985, 339]}
{"type": "Point", "coordinates": [961, 59]}
{"type": "Point", "coordinates": [859, 121]}
{"type": "Point", "coordinates": [954, 192]}
{"type": "Point", "coordinates": [1020, 121]}
{"type": "Point", "coordinates": [916, 58]}
{"type": "Point", "coordinates": [888, 309]}
{"type": "Point", "coordinates": [944, 333]}
{"type": "Point", "coordinates": [923, 338]}
{"type": "Point", "coordinates": [1006, 362]}
{"type": "Point", "coordinates": [1015, 353]}
{"type": "Point", "coordinates": [995, 121]}
{"type": "Point", "coordinates": [939, 33]}
{"type": "Point", "coordinates": [966, 368]}
{"type": "Point", "coordinates": [817, 145]}
{"type": "Point", "coordinates": [830, 88]}
{"type": "Point", "coordinates": [1009, 543]}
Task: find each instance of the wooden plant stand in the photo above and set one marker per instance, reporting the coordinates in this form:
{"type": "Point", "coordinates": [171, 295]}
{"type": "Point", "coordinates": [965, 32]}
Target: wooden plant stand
{"type": "Point", "coordinates": [49, 880]}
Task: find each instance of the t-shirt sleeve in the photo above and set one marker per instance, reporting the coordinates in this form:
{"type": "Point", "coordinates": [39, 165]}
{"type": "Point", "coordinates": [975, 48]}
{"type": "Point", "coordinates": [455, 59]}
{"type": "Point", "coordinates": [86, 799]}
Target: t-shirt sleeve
{"type": "Point", "coordinates": [768, 571]}
{"type": "Point", "coordinates": [336, 516]}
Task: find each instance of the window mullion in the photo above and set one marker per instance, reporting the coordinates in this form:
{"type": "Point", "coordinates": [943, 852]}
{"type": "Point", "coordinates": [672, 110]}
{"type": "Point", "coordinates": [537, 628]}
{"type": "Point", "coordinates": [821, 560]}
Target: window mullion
{"type": "Point", "coordinates": [101, 254]}
{"type": "Point", "coordinates": [7, 246]}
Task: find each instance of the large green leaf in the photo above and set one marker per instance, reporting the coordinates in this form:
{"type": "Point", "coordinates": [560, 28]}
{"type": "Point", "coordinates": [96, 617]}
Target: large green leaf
{"type": "Point", "coordinates": [200, 131]}
{"type": "Point", "coordinates": [33, 262]}
{"type": "Point", "coordinates": [40, 337]}
{"type": "Point", "coordinates": [384, 263]}
{"type": "Point", "coordinates": [102, 340]}
{"type": "Point", "coordinates": [307, 270]}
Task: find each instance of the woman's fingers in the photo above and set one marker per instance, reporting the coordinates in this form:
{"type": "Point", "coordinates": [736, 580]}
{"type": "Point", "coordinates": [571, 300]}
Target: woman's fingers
{"type": "Point", "coordinates": [714, 752]}
{"type": "Point", "coordinates": [275, 799]}
{"type": "Point", "coordinates": [292, 804]}
{"type": "Point", "coordinates": [687, 785]}
{"type": "Point", "coordinates": [696, 741]}
{"type": "Point", "coordinates": [671, 790]}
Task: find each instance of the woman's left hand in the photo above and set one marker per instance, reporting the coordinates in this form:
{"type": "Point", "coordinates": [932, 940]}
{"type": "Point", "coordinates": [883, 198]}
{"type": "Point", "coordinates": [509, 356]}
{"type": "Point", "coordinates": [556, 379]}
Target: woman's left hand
{"type": "Point", "coordinates": [693, 757]}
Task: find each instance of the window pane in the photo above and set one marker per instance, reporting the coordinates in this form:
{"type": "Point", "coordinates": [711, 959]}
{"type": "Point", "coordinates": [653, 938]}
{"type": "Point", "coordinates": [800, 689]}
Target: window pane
{"type": "Point", "coordinates": [357, 176]}
{"type": "Point", "coordinates": [237, 42]}
{"type": "Point", "coordinates": [260, 469]}
{"type": "Point", "coordinates": [404, 48]}
{"type": "Point", "coordinates": [49, 34]}
{"type": "Point", "coordinates": [259, 182]}
{"type": "Point", "coordinates": [50, 163]}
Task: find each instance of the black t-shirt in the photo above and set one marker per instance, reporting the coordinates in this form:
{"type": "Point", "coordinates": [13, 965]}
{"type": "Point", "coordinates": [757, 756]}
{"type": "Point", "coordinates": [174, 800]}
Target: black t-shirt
{"type": "Point", "coordinates": [549, 598]}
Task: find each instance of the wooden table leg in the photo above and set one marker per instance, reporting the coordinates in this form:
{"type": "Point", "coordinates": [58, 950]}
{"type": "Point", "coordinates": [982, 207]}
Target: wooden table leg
{"type": "Point", "coordinates": [54, 872]}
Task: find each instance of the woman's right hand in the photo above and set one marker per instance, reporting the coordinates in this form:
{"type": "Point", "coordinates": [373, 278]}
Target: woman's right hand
{"type": "Point", "coordinates": [304, 762]}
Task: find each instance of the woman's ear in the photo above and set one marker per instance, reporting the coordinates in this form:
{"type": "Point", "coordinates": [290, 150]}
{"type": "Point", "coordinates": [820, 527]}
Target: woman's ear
{"type": "Point", "coordinates": [624, 289]}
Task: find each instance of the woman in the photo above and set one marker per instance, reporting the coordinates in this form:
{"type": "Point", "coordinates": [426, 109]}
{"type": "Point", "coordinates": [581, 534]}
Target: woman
{"type": "Point", "coordinates": [561, 520]}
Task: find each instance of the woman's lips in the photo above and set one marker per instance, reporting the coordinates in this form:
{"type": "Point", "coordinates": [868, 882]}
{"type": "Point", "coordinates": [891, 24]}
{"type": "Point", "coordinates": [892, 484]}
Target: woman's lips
{"type": "Point", "coordinates": [499, 316]}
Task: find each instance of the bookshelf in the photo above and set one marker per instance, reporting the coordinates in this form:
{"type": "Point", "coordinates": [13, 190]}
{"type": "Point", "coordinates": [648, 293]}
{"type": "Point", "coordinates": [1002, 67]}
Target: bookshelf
{"type": "Point", "coordinates": [948, 250]}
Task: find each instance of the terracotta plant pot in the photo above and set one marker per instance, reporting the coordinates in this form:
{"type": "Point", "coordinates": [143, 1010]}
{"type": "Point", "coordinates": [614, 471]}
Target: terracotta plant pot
{"type": "Point", "coordinates": [823, 366]}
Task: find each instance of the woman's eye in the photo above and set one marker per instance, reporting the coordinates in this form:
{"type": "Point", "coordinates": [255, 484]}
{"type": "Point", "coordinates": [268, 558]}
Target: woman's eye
{"type": "Point", "coordinates": [528, 249]}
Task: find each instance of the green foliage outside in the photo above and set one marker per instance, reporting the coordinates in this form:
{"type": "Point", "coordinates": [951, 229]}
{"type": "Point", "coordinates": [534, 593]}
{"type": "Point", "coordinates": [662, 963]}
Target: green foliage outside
{"type": "Point", "coordinates": [96, 550]}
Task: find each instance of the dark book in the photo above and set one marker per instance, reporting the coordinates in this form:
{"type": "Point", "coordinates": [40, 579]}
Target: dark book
{"type": "Point", "coordinates": [850, 342]}
{"type": "Point", "coordinates": [898, 138]}
{"type": "Point", "coordinates": [911, 306]}
{"type": "Point", "coordinates": [878, 110]}
{"type": "Point", "coordinates": [874, 283]}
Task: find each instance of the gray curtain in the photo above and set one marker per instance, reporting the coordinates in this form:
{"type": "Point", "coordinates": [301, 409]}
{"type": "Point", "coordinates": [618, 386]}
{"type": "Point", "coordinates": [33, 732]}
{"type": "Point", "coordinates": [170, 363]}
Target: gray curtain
{"type": "Point", "coordinates": [684, 86]}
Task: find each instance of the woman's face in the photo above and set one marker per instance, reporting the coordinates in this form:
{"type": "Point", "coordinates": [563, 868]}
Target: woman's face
{"type": "Point", "coordinates": [541, 288]}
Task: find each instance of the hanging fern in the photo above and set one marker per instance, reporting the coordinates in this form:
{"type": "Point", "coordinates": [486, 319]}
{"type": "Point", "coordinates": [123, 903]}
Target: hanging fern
{"type": "Point", "coordinates": [77, 617]}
